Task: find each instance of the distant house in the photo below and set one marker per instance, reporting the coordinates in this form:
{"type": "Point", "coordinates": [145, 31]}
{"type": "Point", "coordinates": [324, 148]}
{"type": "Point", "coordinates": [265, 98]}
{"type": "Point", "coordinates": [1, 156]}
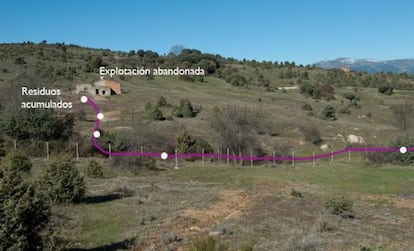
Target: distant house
{"type": "Point", "coordinates": [101, 87]}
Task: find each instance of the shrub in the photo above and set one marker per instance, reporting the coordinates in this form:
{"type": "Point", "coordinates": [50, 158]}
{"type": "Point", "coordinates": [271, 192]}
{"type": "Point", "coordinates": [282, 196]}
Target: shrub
{"type": "Point", "coordinates": [24, 213]}
{"type": "Point", "coordinates": [344, 110]}
{"type": "Point", "coordinates": [312, 134]}
{"type": "Point", "coordinates": [406, 158]}
{"type": "Point", "coordinates": [188, 144]}
{"type": "Point", "coordinates": [62, 182]}
{"type": "Point", "coordinates": [153, 112]}
{"type": "Point", "coordinates": [386, 90]}
{"type": "Point", "coordinates": [20, 61]}
{"type": "Point", "coordinates": [328, 113]}
{"type": "Point", "coordinates": [17, 162]}
{"type": "Point", "coordinates": [162, 102]}
{"type": "Point", "coordinates": [296, 193]}
{"type": "Point", "coordinates": [340, 206]}
{"type": "Point", "coordinates": [93, 169]}
{"type": "Point", "coordinates": [208, 244]}
{"type": "Point", "coordinates": [307, 107]}
{"type": "Point", "coordinates": [184, 110]}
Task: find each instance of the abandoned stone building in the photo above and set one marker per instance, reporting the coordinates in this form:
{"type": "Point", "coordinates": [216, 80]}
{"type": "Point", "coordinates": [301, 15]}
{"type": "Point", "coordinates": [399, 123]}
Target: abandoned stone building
{"type": "Point", "coordinates": [101, 87]}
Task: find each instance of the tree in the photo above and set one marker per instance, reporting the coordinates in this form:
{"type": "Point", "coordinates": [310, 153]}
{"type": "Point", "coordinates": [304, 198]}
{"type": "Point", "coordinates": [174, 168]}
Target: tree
{"type": "Point", "coordinates": [24, 213]}
{"type": "Point", "coordinates": [162, 102]}
{"type": "Point", "coordinates": [177, 49]}
{"type": "Point", "coordinates": [184, 110]}
{"type": "Point", "coordinates": [62, 182]}
{"type": "Point", "coordinates": [152, 112]}
{"type": "Point", "coordinates": [39, 124]}
{"type": "Point", "coordinates": [236, 129]}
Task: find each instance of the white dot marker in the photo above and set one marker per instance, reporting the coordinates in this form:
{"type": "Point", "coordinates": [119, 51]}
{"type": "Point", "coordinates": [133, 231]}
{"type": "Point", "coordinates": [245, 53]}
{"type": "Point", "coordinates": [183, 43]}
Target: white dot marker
{"type": "Point", "coordinates": [164, 155]}
{"type": "Point", "coordinates": [100, 116]}
{"type": "Point", "coordinates": [96, 134]}
{"type": "Point", "coordinates": [84, 99]}
{"type": "Point", "coordinates": [403, 149]}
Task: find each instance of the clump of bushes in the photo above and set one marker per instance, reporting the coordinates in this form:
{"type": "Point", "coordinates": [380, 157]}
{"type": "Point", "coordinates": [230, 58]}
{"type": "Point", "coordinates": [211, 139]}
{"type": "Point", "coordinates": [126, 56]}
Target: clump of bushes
{"type": "Point", "coordinates": [93, 169]}
{"type": "Point", "coordinates": [341, 206]}
{"type": "Point", "coordinates": [62, 182]}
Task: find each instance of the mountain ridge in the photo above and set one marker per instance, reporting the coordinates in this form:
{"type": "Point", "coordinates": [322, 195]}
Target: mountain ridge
{"type": "Point", "coordinates": [370, 65]}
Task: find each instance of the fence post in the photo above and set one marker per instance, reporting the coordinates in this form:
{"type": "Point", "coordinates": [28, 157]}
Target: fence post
{"type": "Point", "coordinates": [349, 156]}
{"type": "Point", "coordinates": [241, 159]}
{"type": "Point", "coordinates": [313, 159]}
{"type": "Point", "coordinates": [228, 156]}
{"type": "Point", "coordinates": [110, 150]}
{"type": "Point", "coordinates": [274, 158]}
{"type": "Point", "coordinates": [142, 150]}
{"type": "Point", "coordinates": [332, 157]}
{"type": "Point", "coordinates": [77, 151]}
{"type": "Point", "coordinates": [176, 158]}
{"type": "Point", "coordinates": [202, 154]}
{"type": "Point", "coordinates": [251, 159]}
{"type": "Point", "coordinates": [218, 153]}
{"type": "Point", "coordinates": [47, 150]}
{"type": "Point", "coordinates": [293, 157]}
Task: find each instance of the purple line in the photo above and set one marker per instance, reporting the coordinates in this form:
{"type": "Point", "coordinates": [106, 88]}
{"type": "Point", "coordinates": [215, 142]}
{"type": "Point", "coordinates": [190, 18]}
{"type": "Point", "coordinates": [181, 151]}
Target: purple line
{"type": "Point", "coordinates": [234, 157]}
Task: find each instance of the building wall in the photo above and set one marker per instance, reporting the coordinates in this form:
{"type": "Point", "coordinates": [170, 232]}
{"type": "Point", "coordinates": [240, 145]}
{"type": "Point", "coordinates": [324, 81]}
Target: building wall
{"type": "Point", "coordinates": [101, 91]}
{"type": "Point", "coordinates": [83, 88]}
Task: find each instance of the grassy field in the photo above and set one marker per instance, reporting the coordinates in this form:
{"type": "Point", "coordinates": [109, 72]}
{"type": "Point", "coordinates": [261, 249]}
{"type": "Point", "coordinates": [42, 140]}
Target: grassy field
{"type": "Point", "coordinates": [237, 204]}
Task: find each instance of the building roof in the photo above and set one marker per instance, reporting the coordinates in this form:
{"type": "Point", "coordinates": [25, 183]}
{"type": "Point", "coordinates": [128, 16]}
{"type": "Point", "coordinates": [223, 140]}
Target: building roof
{"type": "Point", "coordinates": [113, 85]}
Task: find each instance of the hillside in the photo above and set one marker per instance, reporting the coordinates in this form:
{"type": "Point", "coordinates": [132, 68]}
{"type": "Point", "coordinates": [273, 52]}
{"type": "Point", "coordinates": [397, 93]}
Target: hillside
{"type": "Point", "coordinates": [362, 200]}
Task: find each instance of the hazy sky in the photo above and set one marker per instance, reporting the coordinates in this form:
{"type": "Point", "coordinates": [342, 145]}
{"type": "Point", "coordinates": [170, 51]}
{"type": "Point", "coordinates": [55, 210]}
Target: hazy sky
{"type": "Point", "coordinates": [302, 31]}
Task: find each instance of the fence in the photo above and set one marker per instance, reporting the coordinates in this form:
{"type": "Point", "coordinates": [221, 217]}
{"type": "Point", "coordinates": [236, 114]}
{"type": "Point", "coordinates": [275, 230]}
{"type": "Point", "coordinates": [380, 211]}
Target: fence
{"type": "Point", "coordinates": [84, 148]}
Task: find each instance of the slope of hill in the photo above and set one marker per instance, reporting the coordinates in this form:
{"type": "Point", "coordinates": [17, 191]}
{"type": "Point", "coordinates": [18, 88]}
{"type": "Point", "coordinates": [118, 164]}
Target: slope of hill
{"type": "Point", "coordinates": [243, 107]}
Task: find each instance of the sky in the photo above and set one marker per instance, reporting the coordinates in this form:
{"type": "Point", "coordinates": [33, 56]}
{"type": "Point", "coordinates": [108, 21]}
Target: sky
{"type": "Point", "coordinates": [303, 31]}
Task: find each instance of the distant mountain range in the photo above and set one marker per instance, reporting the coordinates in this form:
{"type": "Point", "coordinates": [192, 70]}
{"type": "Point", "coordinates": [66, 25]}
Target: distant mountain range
{"type": "Point", "coordinates": [370, 65]}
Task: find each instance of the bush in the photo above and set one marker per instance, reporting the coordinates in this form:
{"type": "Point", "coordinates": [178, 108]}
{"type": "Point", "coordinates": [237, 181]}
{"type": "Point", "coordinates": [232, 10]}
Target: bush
{"type": "Point", "coordinates": [386, 90]}
{"type": "Point", "coordinates": [24, 213]}
{"type": "Point", "coordinates": [406, 158]}
{"type": "Point", "coordinates": [208, 244]}
{"type": "Point", "coordinates": [344, 110]}
{"type": "Point", "coordinates": [188, 144]}
{"type": "Point", "coordinates": [20, 61]}
{"type": "Point", "coordinates": [62, 182]}
{"type": "Point", "coordinates": [296, 193]}
{"type": "Point", "coordinates": [153, 112]}
{"type": "Point", "coordinates": [93, 169]}
{"type": "Point", "coordinates": [340, 206]}
{"type": "Point", "coordinates": [184, 110]}
{"type": "Point", "coordinates": [328, 113]}
{"type": "Point", "coordinates": [17, 162]}
{"type": "Point", "coordinates": [307, 107]}
{"type": "Point", "coordinates": [162, 102]}
{"type": "Point", "coordinates": [312, 134]}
